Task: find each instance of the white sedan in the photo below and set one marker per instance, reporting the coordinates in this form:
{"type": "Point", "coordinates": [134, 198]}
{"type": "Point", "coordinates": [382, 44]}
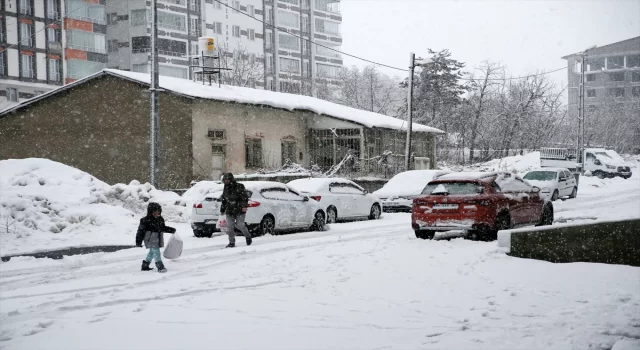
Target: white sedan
{"type": "Point", "coordinates": [340, 198]}
{"type": "Point", "coordinates": [554, 182]}
{"type": "Point", "coordinates": [397, 195]}
{"type": "Point", "coordinates": [273, 207]}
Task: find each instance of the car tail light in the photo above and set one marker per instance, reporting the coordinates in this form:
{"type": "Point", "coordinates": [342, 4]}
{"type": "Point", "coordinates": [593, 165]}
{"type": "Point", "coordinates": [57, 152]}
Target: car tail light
{"type": "Point", "coordinates": [317, 198]}
{"type": "Point", "coordinates": [197, 205]}
{"type": "Point", "coordinates": [253, 204]}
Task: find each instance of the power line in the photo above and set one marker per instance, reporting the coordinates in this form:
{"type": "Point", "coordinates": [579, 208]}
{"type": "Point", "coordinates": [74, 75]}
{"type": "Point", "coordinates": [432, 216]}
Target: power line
{"type": "Point", "coordinates": [514, 78]}
{"type": "Point", "coordinates": [308, 40]}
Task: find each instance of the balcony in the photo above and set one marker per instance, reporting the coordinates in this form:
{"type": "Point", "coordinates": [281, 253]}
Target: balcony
{"type": "Point", "coordinates": [53, 15]}
{"type": "Point", "coordinates": [331, 6]}
{"type": "Point", "coordinates": [160, 52]}
{"type": "Point", "coordinates": [86, 48]}
{"type": "Point", "coordinates": [26, 9]}
{"type": "Point", "coordinates": [55, 76]}
{"type": "Point", "coordinates": [55, 46]}
{"type": "Point", "coordinates": [27, 72]}
{"type": "Point", "coordinates": [176, 2]}
{"type": "Point", "coordinates": [96, 20]}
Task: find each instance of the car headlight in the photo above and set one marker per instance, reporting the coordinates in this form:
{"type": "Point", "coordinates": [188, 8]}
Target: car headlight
{"type": "Point", "coordinates": [610, 166]}
{"type": "Point", "coordinates": [546, 190]}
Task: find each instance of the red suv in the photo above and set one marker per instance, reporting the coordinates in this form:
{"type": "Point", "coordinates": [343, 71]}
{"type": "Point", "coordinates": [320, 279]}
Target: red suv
{"type": "Point", "coordinates": [480, 204]}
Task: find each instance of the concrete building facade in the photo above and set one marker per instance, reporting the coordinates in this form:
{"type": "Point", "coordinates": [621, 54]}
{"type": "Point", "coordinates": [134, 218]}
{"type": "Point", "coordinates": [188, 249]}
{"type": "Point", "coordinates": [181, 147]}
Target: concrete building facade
{"type": "Point", "coordinates": [47, 43]}
{"type": "Point", "coordinates": [612, 82]}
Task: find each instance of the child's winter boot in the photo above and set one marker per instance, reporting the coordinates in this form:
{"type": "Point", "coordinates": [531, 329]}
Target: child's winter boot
{"type": "Point", "coordinates": [160, 267]}
{"type": "Point", "coordinates": [145, 266]}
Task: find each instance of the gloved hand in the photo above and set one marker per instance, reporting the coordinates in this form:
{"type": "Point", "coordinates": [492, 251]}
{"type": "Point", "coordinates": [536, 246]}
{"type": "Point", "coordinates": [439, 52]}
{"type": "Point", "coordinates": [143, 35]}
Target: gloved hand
{"type": "Point", "coordinates": [244, 210]}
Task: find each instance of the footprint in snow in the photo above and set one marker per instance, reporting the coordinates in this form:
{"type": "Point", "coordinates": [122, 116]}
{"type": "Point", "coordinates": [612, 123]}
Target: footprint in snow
{"type": "Point", "coordinates": [41, 326]}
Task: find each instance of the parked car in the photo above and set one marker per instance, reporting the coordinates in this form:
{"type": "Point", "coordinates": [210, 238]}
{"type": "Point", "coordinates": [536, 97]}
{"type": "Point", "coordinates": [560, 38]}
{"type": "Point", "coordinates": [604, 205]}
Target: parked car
{"type": "Point", "coordinates": [398, 193]}
{"type": "Point", "coordinates": [340, 198]}
{"type": "Point", "coordinates": [273, 207]}
{"type": "Point", "coordinates": [479, 204]}
{"type": "Point", "coordinates": [554, 183]}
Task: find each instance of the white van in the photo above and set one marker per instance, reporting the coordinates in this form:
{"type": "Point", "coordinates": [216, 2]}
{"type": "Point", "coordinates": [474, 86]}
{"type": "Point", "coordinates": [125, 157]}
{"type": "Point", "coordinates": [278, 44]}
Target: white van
{"type": "Point", "coordinates": [600, 162]}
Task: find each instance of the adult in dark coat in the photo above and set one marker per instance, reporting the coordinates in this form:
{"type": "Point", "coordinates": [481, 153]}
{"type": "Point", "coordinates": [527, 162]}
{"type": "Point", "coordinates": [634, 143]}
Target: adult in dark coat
{"type": "Point", "coordinates": [235, 202]}
{"type": "Point", "coordinates": [151, 232]}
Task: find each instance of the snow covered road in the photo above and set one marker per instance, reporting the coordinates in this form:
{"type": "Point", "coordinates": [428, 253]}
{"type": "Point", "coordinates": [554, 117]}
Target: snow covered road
{"type": "Point", "coordinates": [359, 285]}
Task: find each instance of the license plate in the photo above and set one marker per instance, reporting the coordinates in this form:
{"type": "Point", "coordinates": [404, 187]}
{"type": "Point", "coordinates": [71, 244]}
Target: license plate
{"type": "Point", "coordinates": [445, 206]}
{"type": "Point", "coordinates": [210, 222]}
{"type": "Point", "coordinates": [391, 203]}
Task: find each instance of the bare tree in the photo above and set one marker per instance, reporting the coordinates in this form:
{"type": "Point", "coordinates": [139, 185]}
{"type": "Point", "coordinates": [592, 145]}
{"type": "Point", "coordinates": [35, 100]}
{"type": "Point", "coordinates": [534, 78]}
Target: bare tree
{"type": "Point", "coordinates": [370, 90]}
{"type": "Point", "coordinates": [246, 69]}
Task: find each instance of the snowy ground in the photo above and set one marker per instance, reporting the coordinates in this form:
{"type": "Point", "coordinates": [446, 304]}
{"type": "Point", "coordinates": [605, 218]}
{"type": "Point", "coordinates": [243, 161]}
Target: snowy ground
{"type": "Point", "coordinates": [361, 285]}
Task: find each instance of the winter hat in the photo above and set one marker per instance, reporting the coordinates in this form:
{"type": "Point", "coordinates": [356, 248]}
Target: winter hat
{"type": "Point", "coordinates": [153, 207]}
{"type": "Point", "coordinates": [228, 176]}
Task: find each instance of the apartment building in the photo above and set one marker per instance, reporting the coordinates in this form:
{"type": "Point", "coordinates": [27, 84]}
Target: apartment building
{"type": "Point", "coordinates": [129, 35]}
{"type": "Point", "coordinates": [47, 43]}
{"type": "Point", "coordinates": [612, 82]}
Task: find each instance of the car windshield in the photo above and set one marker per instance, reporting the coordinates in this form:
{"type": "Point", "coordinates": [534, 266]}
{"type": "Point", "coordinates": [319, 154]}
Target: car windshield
{"type": "Point", "coordinates": [452, 188]}
{"type": "Point", "coordinates": [541, 176]}
{"type": "Point", "coordinates": [604, 154]}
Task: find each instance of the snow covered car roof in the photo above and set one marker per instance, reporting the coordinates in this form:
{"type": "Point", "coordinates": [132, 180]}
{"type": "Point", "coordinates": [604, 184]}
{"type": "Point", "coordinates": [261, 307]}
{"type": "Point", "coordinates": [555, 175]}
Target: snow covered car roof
{"type": "Point", "coordinates": [409, 183]}
{"type": "Point", "coordinates": [549, 169]}
{"type": "Point", "coordinates": [317, 184]}
{"type": "Point", "coordinates": [468, 175]}
{"type": "Point", "coordinates": [243, 95]}
{"type": "Point", "coordinates": [251, 186]}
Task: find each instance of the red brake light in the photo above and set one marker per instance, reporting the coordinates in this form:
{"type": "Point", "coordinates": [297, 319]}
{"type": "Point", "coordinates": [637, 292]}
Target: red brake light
{"type": "Point", "coordinates": [317, 198]}
{"type": "Point", "coordinates": [197, 205]}
{"type": "Point", "coordinates": [253, 204]}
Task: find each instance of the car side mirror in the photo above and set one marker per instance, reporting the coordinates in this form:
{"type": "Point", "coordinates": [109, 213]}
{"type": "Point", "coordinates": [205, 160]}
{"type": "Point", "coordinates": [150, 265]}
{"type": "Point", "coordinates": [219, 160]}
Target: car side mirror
{"type": "Point", "coordinates": [563, 179]}
{"type": "Point", "coordinates": [597, 162]}
{"type": "Point", "coordinates": [365, 192]}
{"type": "Point", "coordinates": [536, 189]}
{"type": "Point", "coordinates": [305, 199]}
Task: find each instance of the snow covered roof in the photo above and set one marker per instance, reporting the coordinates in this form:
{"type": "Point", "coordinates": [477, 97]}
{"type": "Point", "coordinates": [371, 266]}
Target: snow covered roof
{"type": "Point", "coordinates": [226, 93]}
{"type": "Point", "coordinates": [467, 175]}
{"type": "Point", "coordinates": [316, 184]}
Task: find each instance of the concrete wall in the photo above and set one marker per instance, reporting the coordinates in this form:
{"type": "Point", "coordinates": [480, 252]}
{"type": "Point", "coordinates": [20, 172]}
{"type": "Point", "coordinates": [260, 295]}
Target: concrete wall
{"type": "Point", "coordinates": [240, 122]}
{"type": "Point", "coordinates": [102, 127]}
{"type": "Point", "coordinates": [606, 242]}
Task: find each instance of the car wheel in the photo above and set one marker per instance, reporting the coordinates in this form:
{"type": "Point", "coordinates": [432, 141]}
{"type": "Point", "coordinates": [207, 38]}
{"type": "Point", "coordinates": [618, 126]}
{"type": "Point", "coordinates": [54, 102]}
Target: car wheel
{"type": "Point", "coordinates": [332, 215]}
{"type": "Point", "coordinates": [267, 226]}
{"type": "Point", "coordinates": [600, 174]}
{"type": "Point", "coordinates": [375, 212]}
{"type": "Point", "coordinates": [503, 222]}
{"type": "Point", "coordinates": [555, 196]}
{"type": "Point", "coordinates": [574, 193]}
{"type": "Point", "coordinates": [198, 233]}
{"type": "Point", "coordinates": [318, 221]}
{"type": "Point", "coordinates": [546, 219]}
{"type": "Point", "coordinates": [424, 234]}
{"type": "Point", "coordinates": [626, 177]}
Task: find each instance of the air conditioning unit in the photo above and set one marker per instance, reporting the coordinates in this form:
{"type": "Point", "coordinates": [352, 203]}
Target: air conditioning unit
{"type": "Point", "coordinates": [421, 163]}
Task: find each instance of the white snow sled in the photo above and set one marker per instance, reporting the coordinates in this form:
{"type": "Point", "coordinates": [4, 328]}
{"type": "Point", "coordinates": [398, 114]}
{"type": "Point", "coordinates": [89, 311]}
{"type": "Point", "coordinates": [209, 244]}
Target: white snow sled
{"type": "Point", "coordinates": [174, 247]}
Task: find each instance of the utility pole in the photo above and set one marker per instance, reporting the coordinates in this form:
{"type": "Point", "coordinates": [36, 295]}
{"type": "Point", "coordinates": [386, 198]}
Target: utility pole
{"type": "Point", "coordinates": [407, 156]}
{"type": "Point", "coordinates": [154, 159]}
{"type": "Point", "coordinates": [581, 113]}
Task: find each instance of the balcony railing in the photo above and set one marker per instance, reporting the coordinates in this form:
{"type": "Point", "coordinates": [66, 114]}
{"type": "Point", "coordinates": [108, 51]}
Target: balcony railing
{"type": "Point", "coordinates": [55, 46]}
{"type": "Point", "coordinates": [333, 7]}
{"type": "Point", "coordinates": [53, 15]}
{"type": "Point", "coordinates": [54, 76]}
{"type": "Point", "coordinates": [27, 72]}
{"type": "Point", "coordinates": [87, 19]}
{"type": "Point", "coordinates": [177, 2]}
{"type": "Point", "coordinates": [86, 48]}
{"type": "Point", "coordinates": [160, 52]}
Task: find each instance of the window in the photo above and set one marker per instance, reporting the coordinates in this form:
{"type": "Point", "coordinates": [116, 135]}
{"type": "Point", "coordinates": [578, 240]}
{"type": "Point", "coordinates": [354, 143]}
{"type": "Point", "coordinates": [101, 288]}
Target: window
{"type": "Point", "coordinates": [294, 2]}
{"type": "Point", "coordinates": [26, 38]}
{"type": "Point", "coordinates": [236, 31]}
{"type": "Point", "coordinates": [633, 61]}
{"type": "Point", "coordinates": [289, 87]}
{"type": "Point", "coordinates": [251, 34]}
{"type": "Point", "coordinates": [324, 51]}
{"type": "Point", "coordinates": [78, 69]}
{"type": "Point", "coordinates": [27, 66]}
{"type": "Point", "coordinates": [85, 10]}
{"type": "Point", "coordinates": [253, 153]}
{"type": "Point", "coordinates": [112, 45]}
{"type": "Point", "coordinates": [217, 28]}
{"type": "Point", "coordinates": [217, 149]}
{"type": "Point", "coordinates": [635, 91]}
{"type": "Point", "coordinates": [236, 5]}
{"type": "Point", "coordinates": [194, 27]}
{"type": "Point", "coordinates": [38, 92]}
{"type": "Point", "coordinates": [2, 61]}
{"type": "Point", "coordinates": [169, 71]}
{"type": "Point", "coordinates": [617, 76]}
{"type": "Point", "coordinates": [251, 10]}
{"type": "Point", "coordinates": [269, 41]}
{"type": "Point", "coordinates": [53, 35]}
{"type": "Point", "coordinates": [52, 9]}
{"type": "Point", "coordinates": [25, 8]}
{"type": "Point", "coordinates": [509, 183]}
{"type": "Point", "coordinates": [328, 5]}
{"type": "Point", "coordinates": [616, 92]}
{"type": "Point", "coordinates": [591, 77]}
{"type": "Point", "coordinates": [288, 152]}
{"type": "Point", "coordinates": [173, 21]}
{"type": "Point", "coordinates": [289, 42]}
{"type": "Point", "coordinates": [288, 65]}
{"type": "Point", "coordinates": [305, 24]}
{"type": "Point", "coordinates": [290, 19]}
{"type": "Point", "coordinates": [635, 76]}
{"type": "Point", "coordinates": [139, 17]}
{"type": "Point", "coordinates": [216, 135]}
{"type": "Point", "coordinates": [327, 71]}
{"type": "Point", "coordinates": [54, 70]}
{"type": "Point", "coordinates": [328, 27]}
{"type": "Point", "coordinates": [615, 62]}
{"type": "Point", "coordinates": [594, 64]}
{"type": "Point", "coordinates": [12, 94]}
{"type": "Point", "coordinates": [140, 68]}
{"type": "Point", "coordinates": [591, 92]}
{"type": "Point", "coordinates": [86, 41]}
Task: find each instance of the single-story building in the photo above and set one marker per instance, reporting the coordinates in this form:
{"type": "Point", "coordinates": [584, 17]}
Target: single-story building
{"type": "Point", "coordinates": [100, 124]}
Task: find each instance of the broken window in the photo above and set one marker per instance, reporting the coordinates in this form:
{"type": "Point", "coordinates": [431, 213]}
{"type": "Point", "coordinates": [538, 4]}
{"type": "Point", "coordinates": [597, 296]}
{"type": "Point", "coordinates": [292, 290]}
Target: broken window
{"type": "Point", "coordinates": [288, 152]}
{"type": "Point", "coordinates": [635, 91]}
{"type": "Point", "coordinates": [595, 64]}
{"type": "Point", "coordinates": [591, 77]}
{"type": "Point", "coordinates": [616, 92]}
{"type": "Point", "coordinates": [635, 77]}
{"type": "Point", "coordinates": [633, 61]}
{"type": "Point", "coordinates": [617, 76]}
{"type": "Point", "coordinates": [591, 93]}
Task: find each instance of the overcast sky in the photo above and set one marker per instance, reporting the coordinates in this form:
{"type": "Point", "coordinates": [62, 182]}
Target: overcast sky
{"type": "Point", "coordinates": [523, 35]}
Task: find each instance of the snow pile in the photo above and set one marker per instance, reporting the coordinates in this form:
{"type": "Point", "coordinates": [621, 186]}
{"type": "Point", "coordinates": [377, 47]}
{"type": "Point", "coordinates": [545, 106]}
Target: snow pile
{"type": "Point", "coordinates": [517, 164]}
{"type": "Point", "coordinates": [46, 205]}
{"type": "Point", "coordinates": [136, 196]}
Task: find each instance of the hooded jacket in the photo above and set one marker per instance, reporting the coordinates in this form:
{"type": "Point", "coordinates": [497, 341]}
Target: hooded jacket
{"type": "Point", "coordinates": [234, 197]}
{"type": "Point", "coordinates": [151, 229]}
